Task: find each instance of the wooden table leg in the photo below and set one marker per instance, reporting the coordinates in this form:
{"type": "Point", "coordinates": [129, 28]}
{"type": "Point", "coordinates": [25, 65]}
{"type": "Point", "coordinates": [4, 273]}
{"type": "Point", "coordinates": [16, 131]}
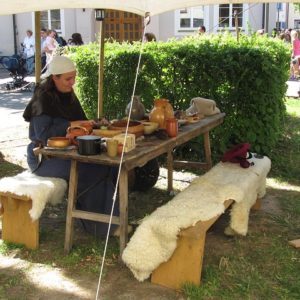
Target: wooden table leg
{"type": "Point", "coordinates": [123, 195]}
{"type": "Point", "coordinates": [170, 170]}
{"type": "Point", "coordinates": [71, 205]}
{"type": "Point", "coordinates": [207, 150]}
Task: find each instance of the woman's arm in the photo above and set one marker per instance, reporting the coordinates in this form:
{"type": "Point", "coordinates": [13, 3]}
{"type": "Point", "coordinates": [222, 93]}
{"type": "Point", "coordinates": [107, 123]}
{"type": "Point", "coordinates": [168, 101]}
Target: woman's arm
{"type": "Point", "coordinates": [45, 126]}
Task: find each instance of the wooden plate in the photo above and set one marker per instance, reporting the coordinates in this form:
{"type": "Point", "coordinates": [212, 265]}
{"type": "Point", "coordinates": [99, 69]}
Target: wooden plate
{"type": "Point", "coordinates": [194, 119]}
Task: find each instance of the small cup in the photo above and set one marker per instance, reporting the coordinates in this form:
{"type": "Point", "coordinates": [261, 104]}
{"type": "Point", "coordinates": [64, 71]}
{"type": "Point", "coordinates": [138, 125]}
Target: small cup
{"type": "Point", "coordinates": [120, 149]}
{"type": "Point", "coordinates": [112, 147]}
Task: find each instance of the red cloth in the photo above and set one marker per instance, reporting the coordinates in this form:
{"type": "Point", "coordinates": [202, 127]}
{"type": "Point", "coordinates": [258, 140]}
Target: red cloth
{"type": "Point", "coordinates": [238, 154]}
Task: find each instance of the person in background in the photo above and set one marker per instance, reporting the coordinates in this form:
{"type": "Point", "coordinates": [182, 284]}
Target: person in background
{"type": "Point", "coordinates": [60, 40]}
{"type": "Point", "coordinates": [288, 35]}
{"type": "Point", "coordinates": [29, 51]}
{"type": "Point", "coordinates": [43, 53]}
{"type": "Point", "coordinates": [260, 32]}
{"type": "Point", "coordinates": [50, 45]}
{"type": "Point", "coordinates": [75, 40]}
{"type": "Point", "coordinates": [274, 33]}
{"type": "Point", "coordinates": [294, 69]}
{"type": "Point", "coordinates": [202, 29]}
{"type": "Point", "coordinates": [150, 37]}
{"type": "Point", "coordinates": [53, 108]}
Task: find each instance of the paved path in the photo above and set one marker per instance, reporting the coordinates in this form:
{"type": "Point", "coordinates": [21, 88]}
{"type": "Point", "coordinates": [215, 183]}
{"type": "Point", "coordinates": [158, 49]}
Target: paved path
{"type": "Point", "coordinates": [13, 128]}
{"type": "Point", "coordinates": [293, 89]}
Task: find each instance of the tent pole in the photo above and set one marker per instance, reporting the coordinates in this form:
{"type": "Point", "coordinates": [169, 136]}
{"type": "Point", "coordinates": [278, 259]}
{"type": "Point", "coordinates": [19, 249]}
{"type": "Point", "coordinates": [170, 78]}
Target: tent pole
{"type": "Point", "coordinates": [101, 69]}
{"type": "Point", "coordinates": [236, 25]}
{"type": "Point", "coordinates": [37, 27]}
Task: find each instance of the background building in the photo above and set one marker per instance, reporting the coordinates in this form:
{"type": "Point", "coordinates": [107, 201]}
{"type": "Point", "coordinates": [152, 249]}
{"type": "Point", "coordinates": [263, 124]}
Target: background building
{"type": "Point", "coordinates": [128, 26]}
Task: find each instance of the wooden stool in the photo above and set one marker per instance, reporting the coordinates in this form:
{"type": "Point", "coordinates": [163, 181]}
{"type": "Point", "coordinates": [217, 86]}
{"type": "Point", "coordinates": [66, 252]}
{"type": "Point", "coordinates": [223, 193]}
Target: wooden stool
{"type": "Point", "coordinates": [17, 225]}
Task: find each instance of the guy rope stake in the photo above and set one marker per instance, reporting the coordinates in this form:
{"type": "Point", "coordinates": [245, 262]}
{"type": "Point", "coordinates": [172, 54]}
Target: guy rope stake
{"type": "Point", "coordinates": [146, 23]}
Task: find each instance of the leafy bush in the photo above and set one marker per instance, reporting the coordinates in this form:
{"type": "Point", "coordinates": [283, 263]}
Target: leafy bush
{"type": "Point", "coordinates": [247, 79]}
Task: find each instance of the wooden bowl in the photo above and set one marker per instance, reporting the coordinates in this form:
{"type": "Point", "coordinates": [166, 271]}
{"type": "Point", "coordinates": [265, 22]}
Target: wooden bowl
{"type": "Point", "coordinates": [134, 127]}
{"type": "Point", "coordinates": [150, 127]}
{"type": "Point", "coordinates": [109, 133]}
{"type": "Point", "coordinates": [58, 142]}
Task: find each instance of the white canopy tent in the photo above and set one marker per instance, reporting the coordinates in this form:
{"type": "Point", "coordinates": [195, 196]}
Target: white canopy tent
{"type": "Point", "coordinates": [140, 7]}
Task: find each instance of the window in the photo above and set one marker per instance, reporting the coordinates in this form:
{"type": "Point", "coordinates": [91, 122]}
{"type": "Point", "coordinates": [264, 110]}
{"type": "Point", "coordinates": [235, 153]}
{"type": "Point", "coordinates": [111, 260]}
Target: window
{"type": "Point", "coordinates": [297, 24]}
{"type": "Point", "coordinates": [189, 19]}
{"type": "Point", "coordinates": [51, 19]}
{"type": "Point", "coordinates": [227, 14]}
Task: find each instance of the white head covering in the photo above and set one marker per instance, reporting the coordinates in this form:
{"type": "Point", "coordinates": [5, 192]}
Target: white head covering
{"type": "Point", "coordinates": [59, 65]}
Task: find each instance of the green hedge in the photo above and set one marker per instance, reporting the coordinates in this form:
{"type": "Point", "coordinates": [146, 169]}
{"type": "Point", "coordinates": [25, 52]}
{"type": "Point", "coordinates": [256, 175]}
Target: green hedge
{"type": "Point", "coordinates": [246, 79]}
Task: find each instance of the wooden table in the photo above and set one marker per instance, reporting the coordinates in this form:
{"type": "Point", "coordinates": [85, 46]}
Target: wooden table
{"type": "Point", "coordinates": [145, 150]}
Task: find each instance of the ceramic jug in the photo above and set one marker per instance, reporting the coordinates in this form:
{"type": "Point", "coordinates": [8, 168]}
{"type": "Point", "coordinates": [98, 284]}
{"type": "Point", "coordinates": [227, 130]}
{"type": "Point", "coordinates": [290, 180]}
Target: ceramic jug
{"type": "Point", "coordinates": [162, 111]}
{"type": "Point", "coordinates": [138, 109]}
{"type": "Point", "coordinates": [172, 127]}
{"type": "Point", "coordinates": [75, 131]}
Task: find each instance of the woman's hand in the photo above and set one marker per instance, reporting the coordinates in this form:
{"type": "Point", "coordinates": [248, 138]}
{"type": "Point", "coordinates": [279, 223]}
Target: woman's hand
{"type": "Point", "coordinates": [103, 122]}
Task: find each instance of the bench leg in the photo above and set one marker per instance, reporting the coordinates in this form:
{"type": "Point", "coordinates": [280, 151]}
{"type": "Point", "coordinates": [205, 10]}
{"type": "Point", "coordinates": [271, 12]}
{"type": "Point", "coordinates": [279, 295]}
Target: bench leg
{"type": "Point", "coordinates": [185, 265]}
{"type": "Point", "coordinates": [257, 204]}
{"type": "Point", "coordinates": [17, 225]}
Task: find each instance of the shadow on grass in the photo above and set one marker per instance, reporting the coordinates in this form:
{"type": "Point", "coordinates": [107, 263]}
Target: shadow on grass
{"type": "Point", "coordinates": [8, 169]}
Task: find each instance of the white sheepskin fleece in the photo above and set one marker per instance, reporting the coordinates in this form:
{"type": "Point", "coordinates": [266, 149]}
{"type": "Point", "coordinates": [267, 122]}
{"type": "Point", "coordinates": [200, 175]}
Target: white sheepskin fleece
{"type": "Point", "coordinates": [154, 241]}
{"type": "Point", "coordinates": [41, 190]}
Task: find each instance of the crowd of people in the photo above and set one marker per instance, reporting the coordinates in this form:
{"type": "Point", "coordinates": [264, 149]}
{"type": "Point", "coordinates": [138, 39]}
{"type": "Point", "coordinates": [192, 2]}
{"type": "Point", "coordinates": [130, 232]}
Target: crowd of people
{"type": "Point", "coordinates": [50, 42]}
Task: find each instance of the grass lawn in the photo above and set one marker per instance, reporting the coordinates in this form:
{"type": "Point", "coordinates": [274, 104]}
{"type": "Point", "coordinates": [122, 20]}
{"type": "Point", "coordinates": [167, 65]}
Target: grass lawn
{"type": "Point", "coordinates": [259, 266]}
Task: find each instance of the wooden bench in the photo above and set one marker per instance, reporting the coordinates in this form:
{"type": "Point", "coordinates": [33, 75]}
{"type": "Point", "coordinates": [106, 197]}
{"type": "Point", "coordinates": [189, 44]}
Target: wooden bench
{"type": "Point", "coordinates": [169, 243]}
{"type": "Point", "coordinates": [185, 265]}
{"type": "Point", "coordinates": [22, 200]}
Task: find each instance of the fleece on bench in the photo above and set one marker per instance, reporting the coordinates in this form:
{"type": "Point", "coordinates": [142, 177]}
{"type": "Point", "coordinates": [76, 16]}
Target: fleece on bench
{"type": "Point", "coordinates": [41, 190]}
{"type": "Point", "coordinates": [155, 239]}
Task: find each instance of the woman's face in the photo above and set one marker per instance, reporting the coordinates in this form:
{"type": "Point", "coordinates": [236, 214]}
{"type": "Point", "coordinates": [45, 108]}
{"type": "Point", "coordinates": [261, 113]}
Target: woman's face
{"type": "Point", "coordinates": [64, 82]}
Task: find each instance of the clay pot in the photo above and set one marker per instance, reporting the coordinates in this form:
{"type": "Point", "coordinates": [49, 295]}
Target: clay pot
{"type": "Point", "coordinates": [75, 131]}
{"type": "Point", "coordinates": [162, 111]}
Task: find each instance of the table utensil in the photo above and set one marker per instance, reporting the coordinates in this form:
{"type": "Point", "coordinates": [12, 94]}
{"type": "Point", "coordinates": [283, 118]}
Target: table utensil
{"type": "Point", "coordinates": [134, 127]}
{"type": "Point", "coordinates": [149, 127]}
{"type": "Point", "coordinates": [58, 142]}
{"type": "Point", "coordinates": [89, 144]}
{"type": "Point", "coordinates": [112, 147]}
{"type": "Point", "coordinates": [172, 127]}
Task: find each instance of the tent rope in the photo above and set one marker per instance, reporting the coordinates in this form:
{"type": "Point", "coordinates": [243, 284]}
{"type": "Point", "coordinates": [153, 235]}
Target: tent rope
{"type": "Point", "coordinates": [146, 22]}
